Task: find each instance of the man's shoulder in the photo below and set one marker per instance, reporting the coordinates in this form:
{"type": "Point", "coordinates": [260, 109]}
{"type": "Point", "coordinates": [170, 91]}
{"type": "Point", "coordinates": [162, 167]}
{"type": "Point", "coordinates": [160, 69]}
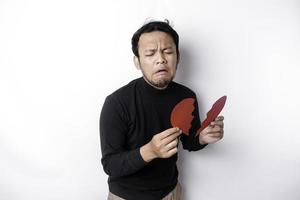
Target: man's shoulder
{"type": "Point", "coordinates": [124, 91]}
{"type": "Point", "coordinates": [183, 88]}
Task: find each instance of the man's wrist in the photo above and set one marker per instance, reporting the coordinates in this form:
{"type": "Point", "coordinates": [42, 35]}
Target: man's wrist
{"type": "Point", "coordinates": [147, 153]}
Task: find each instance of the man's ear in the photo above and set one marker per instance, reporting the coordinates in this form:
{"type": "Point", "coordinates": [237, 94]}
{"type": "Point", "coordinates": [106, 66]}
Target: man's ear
{"type": "Point", "coordinates": [136, 62]}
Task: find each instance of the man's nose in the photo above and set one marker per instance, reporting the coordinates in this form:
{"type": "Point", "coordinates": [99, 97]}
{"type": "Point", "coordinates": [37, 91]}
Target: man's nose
{"type": "Point", "coordinates": [161, 58]}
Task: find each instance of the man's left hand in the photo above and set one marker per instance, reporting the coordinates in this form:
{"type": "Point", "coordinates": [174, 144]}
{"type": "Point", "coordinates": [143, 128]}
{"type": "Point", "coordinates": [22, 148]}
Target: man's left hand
{"type": "Point", "coordinates": [213, 133]}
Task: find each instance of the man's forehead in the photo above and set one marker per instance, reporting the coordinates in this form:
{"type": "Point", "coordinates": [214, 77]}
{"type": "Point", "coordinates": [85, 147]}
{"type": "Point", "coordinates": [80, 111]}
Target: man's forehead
{"type": "Point", "coordinates": [154, 38]}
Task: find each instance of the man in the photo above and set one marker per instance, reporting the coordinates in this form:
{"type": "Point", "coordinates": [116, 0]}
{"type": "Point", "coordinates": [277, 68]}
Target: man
{"type": "Point", "coordinates": [138, 142]}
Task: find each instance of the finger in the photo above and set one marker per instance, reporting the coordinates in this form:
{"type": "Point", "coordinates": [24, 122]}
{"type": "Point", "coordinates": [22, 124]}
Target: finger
{"type": "Point", "coordinates": [217, 123]}
{"type": "Point", "coordinates": [216, 129]}
{"type": "Point", "coordinates": [171, 152]}
{"type": "Point", "coordinates": [168, 132]}
{"type": "Point", "coordinates": [171, 137]}
{"type": "Point", "coordinates": [219, 118]}
{"type": "Point", "coordinates": [212, 128]}
{"type": "Point", "coordinates": [172, 144]}
{"type": "Point", "coordinates": [216, 134]}
{"type": "Point", "coordinates": [206, 130]}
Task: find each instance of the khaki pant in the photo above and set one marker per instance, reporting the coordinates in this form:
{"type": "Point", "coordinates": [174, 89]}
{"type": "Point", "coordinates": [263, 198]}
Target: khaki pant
{"type": "Point", "coordinates": [174, 195]}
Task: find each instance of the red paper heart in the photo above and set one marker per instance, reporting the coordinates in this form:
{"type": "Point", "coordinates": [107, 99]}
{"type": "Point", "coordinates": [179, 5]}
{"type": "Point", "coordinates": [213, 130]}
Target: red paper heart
{"type": "Point", "coordinates": [181, 115]}
{"type": "Point", "coordinates": [213, 113]}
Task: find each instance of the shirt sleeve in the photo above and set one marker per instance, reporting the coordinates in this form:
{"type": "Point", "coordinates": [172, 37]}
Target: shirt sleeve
{"type": "Point", "coordinates": [116, 159]}
{"type": "Point", "coordinates": [190, 142]}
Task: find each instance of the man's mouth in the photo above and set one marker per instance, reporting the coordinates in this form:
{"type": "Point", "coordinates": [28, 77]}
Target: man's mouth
{"type": "Point", "coordinates": [161, 71]}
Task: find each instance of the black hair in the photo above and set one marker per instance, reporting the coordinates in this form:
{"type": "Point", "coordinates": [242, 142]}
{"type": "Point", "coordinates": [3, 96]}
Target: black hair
{"type": "Point", "coordinates": [163, 26]}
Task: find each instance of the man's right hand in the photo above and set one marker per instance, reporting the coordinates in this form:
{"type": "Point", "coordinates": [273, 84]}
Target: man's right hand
{"type": "Point", "coordinates": [162, 145]}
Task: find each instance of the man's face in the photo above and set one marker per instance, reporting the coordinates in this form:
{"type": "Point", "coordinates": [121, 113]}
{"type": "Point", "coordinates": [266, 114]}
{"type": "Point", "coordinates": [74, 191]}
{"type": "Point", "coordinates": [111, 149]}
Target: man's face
{"type": "Point", "coordinates": [157, 58]}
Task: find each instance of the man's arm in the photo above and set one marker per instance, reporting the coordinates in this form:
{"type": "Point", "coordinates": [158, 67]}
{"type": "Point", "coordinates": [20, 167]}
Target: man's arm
{"type": "Point", "coordinates": [116, 159]}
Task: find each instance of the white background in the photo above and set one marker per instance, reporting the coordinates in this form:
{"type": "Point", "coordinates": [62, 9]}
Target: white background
{"type": "Point", "coordinates": [59, 59]}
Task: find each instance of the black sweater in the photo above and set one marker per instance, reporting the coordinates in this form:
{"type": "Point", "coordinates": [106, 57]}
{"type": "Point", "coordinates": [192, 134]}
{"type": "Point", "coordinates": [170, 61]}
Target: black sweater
{"type": "Point", "coordinates": [129, 118]}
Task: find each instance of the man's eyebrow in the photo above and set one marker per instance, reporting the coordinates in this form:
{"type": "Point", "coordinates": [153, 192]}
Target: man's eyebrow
{"type": "Point", "coordinates": [150, 49]}
{"type": "Point", "coordinates": [169, 47]}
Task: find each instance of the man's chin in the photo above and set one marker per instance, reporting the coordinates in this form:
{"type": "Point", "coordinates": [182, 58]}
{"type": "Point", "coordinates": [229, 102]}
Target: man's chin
{"type": "Point", "coordinates": [163, 83]}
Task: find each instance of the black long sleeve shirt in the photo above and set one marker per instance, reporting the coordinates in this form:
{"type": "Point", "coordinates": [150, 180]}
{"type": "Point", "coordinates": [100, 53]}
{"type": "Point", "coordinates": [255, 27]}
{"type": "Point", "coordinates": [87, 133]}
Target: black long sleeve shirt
{"type": "Point", "coordinates": [130, 117]}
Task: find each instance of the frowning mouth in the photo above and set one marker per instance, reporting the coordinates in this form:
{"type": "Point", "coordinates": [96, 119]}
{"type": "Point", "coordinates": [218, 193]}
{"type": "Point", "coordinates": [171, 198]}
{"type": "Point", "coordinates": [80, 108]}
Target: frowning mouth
{"type": "Point", "coordinates": [161, 71]}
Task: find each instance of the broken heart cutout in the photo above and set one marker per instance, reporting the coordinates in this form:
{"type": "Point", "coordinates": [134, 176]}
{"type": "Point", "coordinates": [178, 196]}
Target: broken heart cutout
{"type": "Point", "coordinates": [182, 114]}
{"type": "Point", "coordinates": [213, 113]}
